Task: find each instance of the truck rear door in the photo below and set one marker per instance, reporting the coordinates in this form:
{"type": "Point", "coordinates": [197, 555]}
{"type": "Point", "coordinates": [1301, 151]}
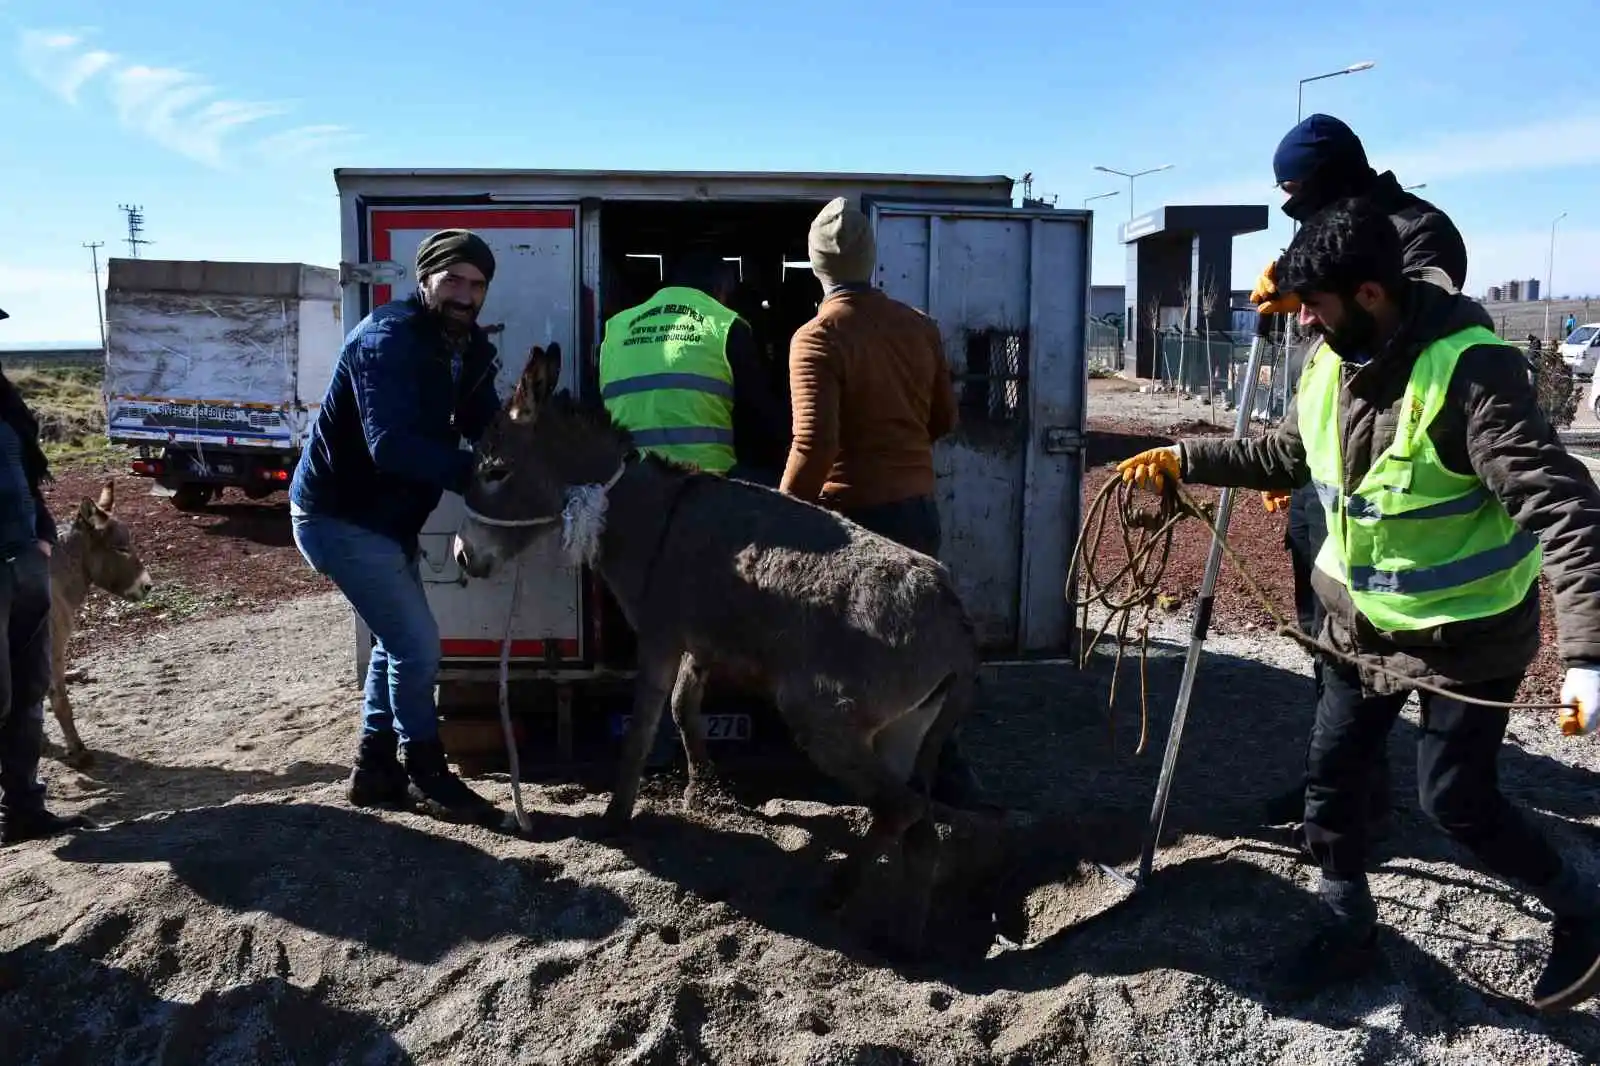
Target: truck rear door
{"type": "Point", "coordinates": [532, 300]}
{"type": "Point", "coordinates": [1009, 290]}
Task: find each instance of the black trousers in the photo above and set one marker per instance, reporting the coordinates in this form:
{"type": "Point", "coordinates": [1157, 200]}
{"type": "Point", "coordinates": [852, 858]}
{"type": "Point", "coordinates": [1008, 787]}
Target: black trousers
{"type": "Point", "coordinates": [1457, 780]}
{"type": "Point", "coordinates": [24, 678]}
{"type": "Point", "coordinates": [913, 522]}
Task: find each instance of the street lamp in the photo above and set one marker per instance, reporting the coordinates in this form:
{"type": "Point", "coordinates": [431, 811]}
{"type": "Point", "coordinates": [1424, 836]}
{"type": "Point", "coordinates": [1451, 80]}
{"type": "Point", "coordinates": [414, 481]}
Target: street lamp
{"type": "Point", "coordinates": [1130, 177]}
{"type": "Point", "coordinates": [1549, 273]}
{"type": "Point", "coordinates": [1300, 93]}
{"type": "Point", "coordinates": [1102, 196]}
{"type": "Point", "coordinates": [1418, 185]}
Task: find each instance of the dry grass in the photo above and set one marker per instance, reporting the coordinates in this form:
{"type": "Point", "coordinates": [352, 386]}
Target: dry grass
{"type": "Point", "coordinates": [70, 408]}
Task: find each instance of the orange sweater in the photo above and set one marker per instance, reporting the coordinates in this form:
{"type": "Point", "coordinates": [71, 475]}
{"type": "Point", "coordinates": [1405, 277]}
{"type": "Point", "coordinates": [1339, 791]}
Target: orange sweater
{"type": "Point", "coordinates": [871, 392]}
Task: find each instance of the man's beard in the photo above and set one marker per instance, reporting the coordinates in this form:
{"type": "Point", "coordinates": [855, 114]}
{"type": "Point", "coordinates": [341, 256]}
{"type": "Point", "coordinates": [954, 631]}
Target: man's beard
{"type": "Point", "coordinates": [1357, 333]}
{"type": "Point", "coordinates": [453, 315]}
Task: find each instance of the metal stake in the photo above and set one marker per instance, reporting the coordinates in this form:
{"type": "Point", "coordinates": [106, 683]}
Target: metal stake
{"type": "Point", "coordinates": [1202, 619]}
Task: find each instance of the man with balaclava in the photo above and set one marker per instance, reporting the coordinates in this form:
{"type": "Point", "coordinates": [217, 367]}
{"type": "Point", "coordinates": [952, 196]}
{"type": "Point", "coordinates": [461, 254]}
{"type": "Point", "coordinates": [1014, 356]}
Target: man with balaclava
{"type": "Point", "coordinates": [415, 377]}
{"type": "Point", "coordinates": [1318, 162]}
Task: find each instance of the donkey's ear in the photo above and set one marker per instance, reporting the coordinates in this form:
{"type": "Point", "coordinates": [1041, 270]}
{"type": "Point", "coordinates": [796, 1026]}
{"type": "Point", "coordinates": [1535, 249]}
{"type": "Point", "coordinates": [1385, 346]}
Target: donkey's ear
{"type": "Point", "coordinates": [537, 384]}
{"type": "Point", "coordinates": [91, 515]}
{"type": "Point", "coordinates": [108, 496]}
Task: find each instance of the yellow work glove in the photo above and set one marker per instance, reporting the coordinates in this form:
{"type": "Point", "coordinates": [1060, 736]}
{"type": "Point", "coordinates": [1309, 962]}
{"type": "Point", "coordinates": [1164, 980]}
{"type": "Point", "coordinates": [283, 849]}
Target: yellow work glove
{"type": "Point", "coordinates": [1149, 468]}
{"type": "Point", "coordinates": [1267, 298]}
{"type": "Point", "coordinates": [1275, 501]}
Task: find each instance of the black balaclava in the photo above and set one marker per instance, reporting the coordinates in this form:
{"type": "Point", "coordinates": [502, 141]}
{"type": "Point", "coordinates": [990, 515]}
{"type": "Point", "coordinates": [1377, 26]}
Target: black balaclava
{"type": "Point", "coordinates": [1327, 159]}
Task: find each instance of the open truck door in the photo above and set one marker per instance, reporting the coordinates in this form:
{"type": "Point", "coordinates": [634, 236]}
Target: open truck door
{"type": "Point", "coordinates": [1009, 289]}
{"type": "Point", "coordinates": [532, 300]}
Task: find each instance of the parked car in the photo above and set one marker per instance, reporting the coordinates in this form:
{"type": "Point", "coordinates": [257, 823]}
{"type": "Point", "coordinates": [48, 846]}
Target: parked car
{"type": "Point", "coordinates": [1581, 349]}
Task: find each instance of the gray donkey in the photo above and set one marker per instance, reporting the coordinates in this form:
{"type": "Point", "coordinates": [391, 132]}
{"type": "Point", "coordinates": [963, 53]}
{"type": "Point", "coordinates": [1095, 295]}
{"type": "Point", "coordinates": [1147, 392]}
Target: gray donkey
{"type": "Point", "coordinates": [863, 645]}
{"type": "Point", "coordinates": [95, 551]}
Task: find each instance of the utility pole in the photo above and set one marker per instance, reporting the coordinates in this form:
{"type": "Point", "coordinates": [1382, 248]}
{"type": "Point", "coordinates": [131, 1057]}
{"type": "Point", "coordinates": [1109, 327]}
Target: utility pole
{"type": "Point", "coordinates": [94, 255]}
{"type": "Point", "coordinates": [135, 228]}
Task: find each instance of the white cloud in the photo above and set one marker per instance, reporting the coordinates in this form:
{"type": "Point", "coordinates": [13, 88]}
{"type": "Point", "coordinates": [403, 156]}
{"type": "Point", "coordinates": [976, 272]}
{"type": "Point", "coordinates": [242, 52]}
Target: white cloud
{"type": "Point", "coordinates": [61, 62]}
{"type": "Point", "coordinates": [177, 109]}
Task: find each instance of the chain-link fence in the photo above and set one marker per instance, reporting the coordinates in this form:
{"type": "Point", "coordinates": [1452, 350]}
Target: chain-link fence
{"type": "Point", "coordinates": [1105, 345]}
{"type": "Point", "coordinates": [1211, 365]}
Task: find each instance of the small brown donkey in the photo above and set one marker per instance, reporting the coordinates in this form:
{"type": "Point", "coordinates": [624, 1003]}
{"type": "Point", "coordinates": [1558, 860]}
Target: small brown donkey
{"type": "Point", "coordinates": [96, 550]}
{"type": "Point", "coordinates": [862, 644]}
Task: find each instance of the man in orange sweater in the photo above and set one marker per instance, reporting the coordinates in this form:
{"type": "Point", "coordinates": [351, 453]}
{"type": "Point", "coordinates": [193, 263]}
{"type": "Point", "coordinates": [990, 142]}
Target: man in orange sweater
{"type": "Point", "coordinates": [870, 392]}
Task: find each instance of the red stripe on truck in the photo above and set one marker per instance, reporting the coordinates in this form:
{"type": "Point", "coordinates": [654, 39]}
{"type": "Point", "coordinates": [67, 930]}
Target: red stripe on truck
{"type": "Point", "coordinates": [520, 649]}
{"type": "Point", "coordinates": [385, 221]}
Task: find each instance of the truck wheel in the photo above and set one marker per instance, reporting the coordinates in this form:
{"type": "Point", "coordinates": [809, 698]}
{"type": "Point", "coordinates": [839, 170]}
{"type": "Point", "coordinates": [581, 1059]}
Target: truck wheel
{"type": "Point", "coordinates": [192, 497]}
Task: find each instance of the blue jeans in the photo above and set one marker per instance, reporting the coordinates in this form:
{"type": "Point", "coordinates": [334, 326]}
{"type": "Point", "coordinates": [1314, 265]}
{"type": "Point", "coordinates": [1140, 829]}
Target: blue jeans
{"type": "Point", "coordinates": [385, 589]}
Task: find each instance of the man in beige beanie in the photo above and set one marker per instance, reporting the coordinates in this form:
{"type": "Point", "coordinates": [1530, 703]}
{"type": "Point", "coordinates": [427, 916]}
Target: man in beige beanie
{"type": "Point", "coordinates": [870, 392]}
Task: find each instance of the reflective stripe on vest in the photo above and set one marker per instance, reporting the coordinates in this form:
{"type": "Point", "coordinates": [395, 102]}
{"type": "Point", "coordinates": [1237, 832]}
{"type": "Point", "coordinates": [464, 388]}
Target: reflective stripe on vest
{"type": "Point", "coordinates": [1417, 544]}
{"type": "Point", "coordinates": [664, 377]}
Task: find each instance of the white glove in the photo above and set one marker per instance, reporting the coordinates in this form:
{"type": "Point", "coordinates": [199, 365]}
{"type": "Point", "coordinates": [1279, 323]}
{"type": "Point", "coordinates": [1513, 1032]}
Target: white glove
{"type": "Point", "coordinates": [1582, 686]}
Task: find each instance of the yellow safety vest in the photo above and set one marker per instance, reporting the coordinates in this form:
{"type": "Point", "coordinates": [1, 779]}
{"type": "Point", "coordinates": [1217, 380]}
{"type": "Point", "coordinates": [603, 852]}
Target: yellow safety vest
{"type": "Point", "coordinates": [664, 377]}
{"type": "Point", "coordinates": [1417, 544]}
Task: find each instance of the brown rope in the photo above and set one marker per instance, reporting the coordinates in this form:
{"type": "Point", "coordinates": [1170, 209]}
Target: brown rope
{"type": "Point", "coordinates": [1147, 533]}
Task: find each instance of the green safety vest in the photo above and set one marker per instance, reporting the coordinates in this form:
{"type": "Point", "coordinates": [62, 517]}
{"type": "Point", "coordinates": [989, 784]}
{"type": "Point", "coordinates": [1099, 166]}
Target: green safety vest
{"type": "Point", "coordinates": [664, 377]}
{"type": "Point", "coordinates": [1417, 544]}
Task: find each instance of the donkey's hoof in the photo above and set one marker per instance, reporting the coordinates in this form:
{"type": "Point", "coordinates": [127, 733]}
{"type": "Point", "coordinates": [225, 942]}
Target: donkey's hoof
{"type": "Point", "coordinates": [614, 824]}
{"type": "Point", "coordinates": [708, 797]}
{"type": "Point", "coordinates": [79, 759]}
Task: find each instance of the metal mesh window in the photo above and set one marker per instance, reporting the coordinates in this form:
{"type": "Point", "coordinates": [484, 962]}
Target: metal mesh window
{"type": "Point", "coordinates": [995, 386]}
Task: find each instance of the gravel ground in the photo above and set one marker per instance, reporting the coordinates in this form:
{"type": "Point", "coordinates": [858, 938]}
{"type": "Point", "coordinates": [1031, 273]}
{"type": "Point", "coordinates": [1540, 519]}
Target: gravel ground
{"type": "Point", "coordinates": [235, 909]}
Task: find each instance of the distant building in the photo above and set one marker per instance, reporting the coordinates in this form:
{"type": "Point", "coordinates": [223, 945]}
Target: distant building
{"type": "Point", "coordinates": [1530, 289]}
{"type": "Point", "coordinates": [1494, 295]}
{"type": "Point", "coordinates": [1514, 291]}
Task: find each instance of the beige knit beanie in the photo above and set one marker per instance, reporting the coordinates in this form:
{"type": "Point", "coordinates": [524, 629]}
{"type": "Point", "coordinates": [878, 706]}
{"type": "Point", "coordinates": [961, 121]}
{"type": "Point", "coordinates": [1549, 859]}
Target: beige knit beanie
{"type": "Point", "coordinates": [840, 244]}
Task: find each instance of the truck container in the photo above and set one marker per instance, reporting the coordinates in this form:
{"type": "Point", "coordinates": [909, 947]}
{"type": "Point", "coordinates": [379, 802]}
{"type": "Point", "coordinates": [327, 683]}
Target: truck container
{"type": "Point", "coordinates": [214, 371]}
{"type": "Point", "coordinates": [1008, 287]}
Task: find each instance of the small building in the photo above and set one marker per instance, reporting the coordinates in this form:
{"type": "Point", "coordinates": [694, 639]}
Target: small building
{"type": "Point", "coordinates": [1180, 271]}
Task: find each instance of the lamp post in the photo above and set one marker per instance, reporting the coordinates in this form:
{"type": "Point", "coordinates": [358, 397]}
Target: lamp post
{"type": "Point", "coordinates": [1549, 274]}
{"type": "Point", "coordinates": [1130, 177]}
{"type": "Point", "coordinates": [1102, 196]}
{"type": "Point", "coordinates": [1300, 93]}
{"type": "Point", "coordinates": [1418, 185]}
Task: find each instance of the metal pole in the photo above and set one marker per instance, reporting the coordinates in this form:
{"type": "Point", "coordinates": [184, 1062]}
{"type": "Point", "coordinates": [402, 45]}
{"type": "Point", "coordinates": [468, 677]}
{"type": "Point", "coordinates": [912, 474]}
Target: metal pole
{"type": "Point", "coordinates": [94, 253]}
{"type": "Point", "coordinates": [1549, 275]}
{"type": "Point", "coordinates": [1202, 619]}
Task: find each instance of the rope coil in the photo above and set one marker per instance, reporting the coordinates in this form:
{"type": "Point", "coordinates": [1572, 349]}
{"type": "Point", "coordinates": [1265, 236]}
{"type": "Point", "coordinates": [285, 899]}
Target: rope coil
{"type": "Point", "coordinates": [1147, 530]}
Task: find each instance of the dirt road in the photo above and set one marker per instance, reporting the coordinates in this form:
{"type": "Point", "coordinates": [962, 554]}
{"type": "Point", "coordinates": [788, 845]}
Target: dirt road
{"type": "Point", "coordinates": [236, 910]}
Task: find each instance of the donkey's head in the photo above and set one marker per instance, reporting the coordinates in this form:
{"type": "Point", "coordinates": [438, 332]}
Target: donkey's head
{"type": "Point", "coordinates": [540, 446]}
{"type": "Point", "coordinates": [108, 555]}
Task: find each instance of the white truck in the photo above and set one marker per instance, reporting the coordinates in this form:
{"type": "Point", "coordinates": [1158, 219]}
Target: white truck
{"type": "Point", "coordinates": [214, 371]}
{"type": "Point", "coordinates": [1008, 286]}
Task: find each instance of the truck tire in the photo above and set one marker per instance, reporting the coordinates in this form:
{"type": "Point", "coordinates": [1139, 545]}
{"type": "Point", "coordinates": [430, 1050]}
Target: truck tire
{"type": "Point", "coordinates": [192, 497]}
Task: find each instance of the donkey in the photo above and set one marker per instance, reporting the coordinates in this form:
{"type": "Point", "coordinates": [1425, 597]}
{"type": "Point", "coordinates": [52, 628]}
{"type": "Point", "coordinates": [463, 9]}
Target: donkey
{"type": "Point", "coordinates": [96, 550]}
{"type": "Point", "coordinates": [863, 645]}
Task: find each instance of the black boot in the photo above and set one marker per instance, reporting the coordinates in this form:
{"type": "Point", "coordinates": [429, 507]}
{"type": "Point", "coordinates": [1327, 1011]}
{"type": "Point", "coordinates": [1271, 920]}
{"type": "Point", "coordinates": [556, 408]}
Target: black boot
{"type": "Point", "coordinates": [440, 793]}
{"type": "Point", "coordinates": [377, 779]}
{"type": "Point", "coordinates": [1572, 973]}
{"type": "Point", "coordinates": [18, 826]}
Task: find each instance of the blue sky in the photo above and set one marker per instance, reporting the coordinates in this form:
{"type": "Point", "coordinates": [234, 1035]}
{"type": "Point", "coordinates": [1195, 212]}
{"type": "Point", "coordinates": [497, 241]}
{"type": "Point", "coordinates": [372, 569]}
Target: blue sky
{"type": "Point", "coordinates": [225, 122]}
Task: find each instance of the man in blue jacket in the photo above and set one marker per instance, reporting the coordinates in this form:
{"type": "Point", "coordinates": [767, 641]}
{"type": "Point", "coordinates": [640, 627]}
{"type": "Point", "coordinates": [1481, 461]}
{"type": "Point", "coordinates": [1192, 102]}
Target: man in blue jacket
{"type": "Point", "coordinates": [414, 378]}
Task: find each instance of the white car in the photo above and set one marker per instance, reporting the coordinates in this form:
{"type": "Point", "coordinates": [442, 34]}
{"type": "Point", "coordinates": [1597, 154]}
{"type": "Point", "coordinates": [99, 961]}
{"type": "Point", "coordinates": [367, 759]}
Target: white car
{"type": "Point", "coordinates": [1581, 350]}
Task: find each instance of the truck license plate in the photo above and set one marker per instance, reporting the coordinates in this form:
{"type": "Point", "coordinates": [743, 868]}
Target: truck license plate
{"type": "Point", "coordinates": [718, 726]}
